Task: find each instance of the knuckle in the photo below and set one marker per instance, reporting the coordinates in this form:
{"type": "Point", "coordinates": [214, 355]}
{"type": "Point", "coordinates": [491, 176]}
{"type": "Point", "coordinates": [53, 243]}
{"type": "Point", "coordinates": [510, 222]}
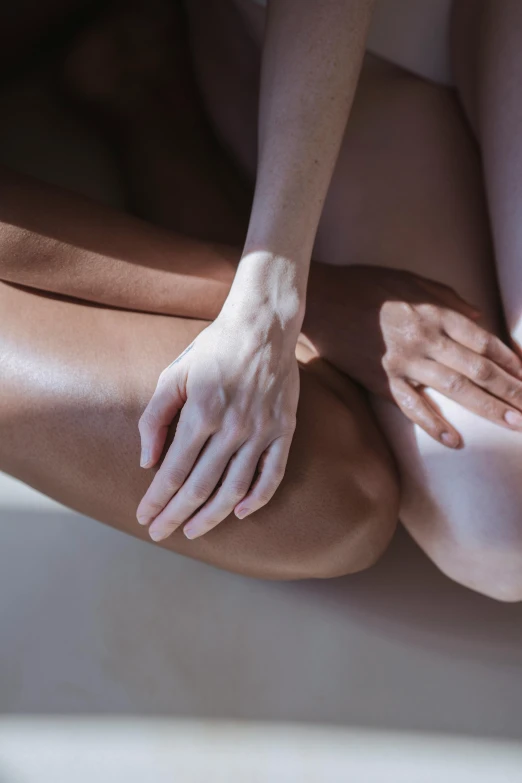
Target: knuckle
{"type": "Point", "coordinates": [481, 371]}
{"type": "Point", "coordinates": [398, 312]}
{"type": "Point", "coordinates": [429, 311]}
{"type": "Point", "coordinates": [265, 496]}
{"type": "Point", "coordinates": [235, 433]}
{"type": "Point", "coordinates": [260, 500]}
{"type": "Point", "coordinates": [238, 489]}
{"type": "Point", "coordinates": [148, 419]}
{"type": "Point", "coordinates": [410, 323]}
{"type": "Point", "coordinates": [174, 475]}
{"type": "Point", "coordinates": [483, 342]}
{"type": "Point", "coordinates": [267, 424]}
{"type": "Point", "coordinates": [198, 492]}
{"type": "Point", "coordinates": [236, 429]}
{"type": "Point", "coordinates": [413, 334]}
{"type": "Point", "coordinates": [439, 343]}
{"type": "Point", "coordinates": [154, 507]}
{"type": "Point", "coordinates": [454, 384]}
{"type": "Point", "coordinates": [513, 392]}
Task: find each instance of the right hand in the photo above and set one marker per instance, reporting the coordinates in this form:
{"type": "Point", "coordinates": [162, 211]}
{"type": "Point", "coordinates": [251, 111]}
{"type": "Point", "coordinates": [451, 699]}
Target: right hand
{"type": "Point", "coordinates": [397, 333]}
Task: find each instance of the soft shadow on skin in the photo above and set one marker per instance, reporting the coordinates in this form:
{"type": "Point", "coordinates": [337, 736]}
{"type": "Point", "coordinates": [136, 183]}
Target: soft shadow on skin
{"type": "Point", "coordinates": [106, 236]}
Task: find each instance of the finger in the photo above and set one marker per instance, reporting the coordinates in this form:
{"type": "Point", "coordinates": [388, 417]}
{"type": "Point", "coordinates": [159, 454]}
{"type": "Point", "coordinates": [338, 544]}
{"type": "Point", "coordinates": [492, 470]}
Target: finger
{"type": "Point", "coordinates": [272, 468]}
{"type": "Point", "coordinates": [189, 440]}
{"type": "Point", "coordinates": [157, 417]}
{"type": "Point", "coordinates": [481, 371]}
{"type": "Point", "coordinates": [482, 342]}
{"type": "Point", "coordinates": [460, 389]}
{"type": "Point", "coordinates": [196, 490]}
{"type": "Point", "coordinates": [450, 298]}
{"type": "Point", "coordinates": [417, 409]}
{"type": "Point", "coordinates": [236, 485]}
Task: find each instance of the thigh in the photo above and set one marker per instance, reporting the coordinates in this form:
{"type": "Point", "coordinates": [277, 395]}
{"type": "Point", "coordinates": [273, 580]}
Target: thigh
{"type": "Point", "coordinates": [72, 392]}
{"type": "Point", "coordinates": [408, 193]}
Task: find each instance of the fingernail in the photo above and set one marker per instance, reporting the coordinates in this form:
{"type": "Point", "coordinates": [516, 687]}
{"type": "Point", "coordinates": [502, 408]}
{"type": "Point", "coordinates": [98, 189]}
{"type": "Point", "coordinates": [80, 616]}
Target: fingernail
{"type": "Point", "coordinates": [242, 513]}
{"type": "Point", "coordinates": [156, 535]}
{"type": "Point", "coordinates": [145, 458]}
{"type": "Point", "coordinates": [190, 532]}
{"type": "Point", "coordinates": [449, 440]}
{"type": "Point", "coordinates": [143, 520]}
{"type": "Point", "coordinates": [514, 419]}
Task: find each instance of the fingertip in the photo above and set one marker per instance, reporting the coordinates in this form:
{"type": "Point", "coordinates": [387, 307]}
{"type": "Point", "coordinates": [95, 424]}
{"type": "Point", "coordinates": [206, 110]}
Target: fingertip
{"type": "Point", "coordinates": [146, 458]}
{"type": "Point", "coordinates": [156, 534]}
{"type": "Point", "coordinates": [450, 439]}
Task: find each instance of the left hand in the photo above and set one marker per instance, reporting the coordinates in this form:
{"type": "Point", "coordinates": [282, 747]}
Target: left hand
{"type": "Point", "coordinates": [397, 333]}
{"type": "Point", "coordinates": [237, 387]}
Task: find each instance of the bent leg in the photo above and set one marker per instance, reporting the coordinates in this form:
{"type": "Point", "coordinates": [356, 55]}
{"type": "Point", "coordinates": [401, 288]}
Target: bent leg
{"type": "Point", "coordinates": [408, 193]}
{"type": "Point", "coordinates": [72, 393]}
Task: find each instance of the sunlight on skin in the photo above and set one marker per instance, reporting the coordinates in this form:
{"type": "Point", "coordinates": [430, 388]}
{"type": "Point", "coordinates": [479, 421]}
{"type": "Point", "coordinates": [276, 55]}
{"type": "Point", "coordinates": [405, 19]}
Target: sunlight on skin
{"type": "Point", "coordinates": [50, 377]}
{"type": "Point", "coordinates": [276, 277]}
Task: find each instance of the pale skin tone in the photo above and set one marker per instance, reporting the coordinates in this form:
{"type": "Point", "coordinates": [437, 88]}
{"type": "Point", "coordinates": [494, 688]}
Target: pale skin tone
{"type": "Point", "coordinates": [242, 376]}
{"type": "Point", "coordinates": [79, 418]}
{"type": "Point", "coordinates": [461, 506]}
{"type": "Point", "coordinates": [237, 390]}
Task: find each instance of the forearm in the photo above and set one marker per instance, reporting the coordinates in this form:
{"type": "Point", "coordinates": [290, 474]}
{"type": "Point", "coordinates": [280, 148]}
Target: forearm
{"type": "Point", "coordinates": [311, 62]}
{"type": "Point", "coordinates": [57, 241]}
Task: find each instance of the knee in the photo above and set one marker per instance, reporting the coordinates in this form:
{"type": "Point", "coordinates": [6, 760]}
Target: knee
{"type": "Point", "coordinates": [345, 527]}
{"type": "Point", "coordinates": [365, 521]}
{"type": "Point", "coordinates": [485, 569]}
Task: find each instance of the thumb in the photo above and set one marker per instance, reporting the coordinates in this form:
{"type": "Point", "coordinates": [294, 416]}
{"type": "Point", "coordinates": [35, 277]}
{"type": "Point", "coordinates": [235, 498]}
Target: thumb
{"type": "Point", "coordinates": [154, 423]}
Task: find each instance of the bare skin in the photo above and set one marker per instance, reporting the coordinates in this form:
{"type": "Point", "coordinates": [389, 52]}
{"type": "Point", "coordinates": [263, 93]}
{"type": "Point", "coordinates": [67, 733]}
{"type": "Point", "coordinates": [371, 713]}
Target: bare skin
{"type": "Point", "coordinates": [407, 192]}
{"type": "Point", "coordinates": [337, 508]}
{"type": "Point", "coordinates": [386, 101]}
{"type": "Point", "coordinates": [239, 425]}
{"type": "Point", "coordinates": [72, 394]}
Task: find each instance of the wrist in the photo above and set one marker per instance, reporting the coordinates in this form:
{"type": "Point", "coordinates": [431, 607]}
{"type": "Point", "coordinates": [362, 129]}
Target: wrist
{"type": "Point", "coordinates": [268, 287]}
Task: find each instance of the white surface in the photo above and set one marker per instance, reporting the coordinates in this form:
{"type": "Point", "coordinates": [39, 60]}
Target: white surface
{"type": "Point", "coordinates": [94, 621]}
{"type": "Point", "coordinates": [196, 752]}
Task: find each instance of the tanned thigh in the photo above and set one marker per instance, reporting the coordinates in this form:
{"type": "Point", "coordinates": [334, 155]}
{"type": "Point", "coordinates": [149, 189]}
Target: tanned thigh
{"type": "Point", "coordinates": [75, 379]}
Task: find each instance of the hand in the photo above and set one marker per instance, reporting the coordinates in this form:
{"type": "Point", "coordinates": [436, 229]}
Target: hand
{"type": "Point", "coordinates": [237, 386]}
{"type": "Point", "coordinates": [396, 333]}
